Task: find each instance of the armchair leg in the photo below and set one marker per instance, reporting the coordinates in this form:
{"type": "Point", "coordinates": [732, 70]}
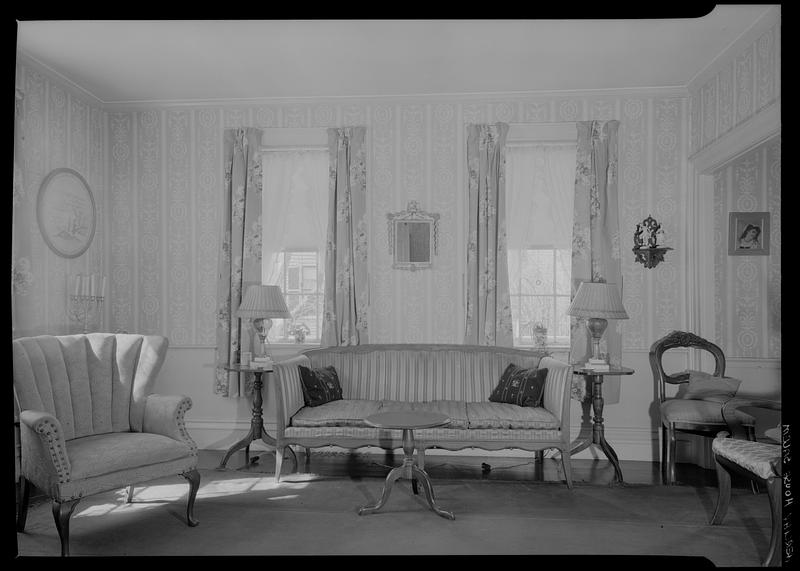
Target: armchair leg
{"type": "Point", "coordinates": [129, 499]}
{"type": "Point", "coordinates": [773, 557]}
{"type": "Point", "coordinates": [62, 511]}
{"type": "Point", "coordinates": [567, 464]}
{"type": "Point", "coordinates": [194, 484]}
{"type": "Point", "coordinates": [279, 452]}
{"type": "Point", "coordinates": [670, 456]}
{"type": "Point", "coordinates": [724, 493]}
{"type": "Point", "coordinates": [24, 494]}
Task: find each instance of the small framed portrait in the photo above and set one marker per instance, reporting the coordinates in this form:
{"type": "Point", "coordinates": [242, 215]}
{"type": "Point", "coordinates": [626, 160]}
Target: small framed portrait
{"type": "Point", "coordinates": [748, 234]}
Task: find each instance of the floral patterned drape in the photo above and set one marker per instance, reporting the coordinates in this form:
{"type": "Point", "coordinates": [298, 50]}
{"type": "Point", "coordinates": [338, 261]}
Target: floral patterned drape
{"type": "Point", "coordinates": [595, 231]}
{"type": "Point", "coordinates": [346, 285]}
{"type": "Point", "coordinates": [488, 320]}
{"type": "Point", "coordinates": [19, 267]}
{"type": "Point", "coordinates": [240, 255]}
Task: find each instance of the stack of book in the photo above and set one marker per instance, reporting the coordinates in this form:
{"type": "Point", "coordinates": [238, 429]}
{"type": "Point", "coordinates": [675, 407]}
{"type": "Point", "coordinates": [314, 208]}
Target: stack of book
{"type": "Point", "coordinates": [597, 365]}
{"type": "Point", "coordinates": [261, 363]}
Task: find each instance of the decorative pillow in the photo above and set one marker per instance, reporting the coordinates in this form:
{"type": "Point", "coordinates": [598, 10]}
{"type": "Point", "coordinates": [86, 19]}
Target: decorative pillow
{"type": "Point", "coordinates": [703, 385]}
{"type": "Point", "coordinates": [320, 385]}
{"type": "Point", "coordinates": [523, 387]}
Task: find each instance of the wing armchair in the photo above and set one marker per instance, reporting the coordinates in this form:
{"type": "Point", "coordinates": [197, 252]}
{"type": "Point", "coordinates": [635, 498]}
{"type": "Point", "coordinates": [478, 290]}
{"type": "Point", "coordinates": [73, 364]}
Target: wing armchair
{"type": "Point", "coordinates": [90, 423]}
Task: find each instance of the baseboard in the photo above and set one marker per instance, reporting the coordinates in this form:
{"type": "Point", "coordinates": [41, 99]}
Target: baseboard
{"type": "Point", "coordinates": [628, 443]}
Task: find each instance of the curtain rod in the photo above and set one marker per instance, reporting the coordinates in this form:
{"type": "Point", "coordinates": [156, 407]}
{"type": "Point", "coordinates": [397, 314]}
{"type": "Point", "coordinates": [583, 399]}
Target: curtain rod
{"type": "Point", "coordinates": [539, 143]}
{"type": "Point", "coordinates": [287, 149]}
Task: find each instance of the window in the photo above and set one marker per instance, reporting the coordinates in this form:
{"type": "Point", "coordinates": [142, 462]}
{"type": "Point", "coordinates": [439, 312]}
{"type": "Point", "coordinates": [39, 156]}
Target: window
{"type": "Point", "coordinates": [539, 199]}
{"type": "Point", "coordinates": [302, 284]}
{"type": "Point", "coordinates": [294, 225]}
{"type": "Point", "coordinates": [540, 290]}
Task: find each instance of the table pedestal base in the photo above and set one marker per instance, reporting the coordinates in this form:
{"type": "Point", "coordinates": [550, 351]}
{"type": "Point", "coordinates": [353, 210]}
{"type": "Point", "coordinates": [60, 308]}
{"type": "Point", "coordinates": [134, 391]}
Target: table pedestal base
{"type": "Point", "coordinates": [410, 471]}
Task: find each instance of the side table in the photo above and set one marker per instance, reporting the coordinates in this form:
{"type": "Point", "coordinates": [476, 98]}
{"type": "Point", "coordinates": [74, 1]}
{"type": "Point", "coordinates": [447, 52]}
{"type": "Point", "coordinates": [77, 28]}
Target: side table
{"type": "Point", "coordinates": [598, 429]}
{"type": "Point", "coordinates": [408, 421]}
{"type": "Point", "coordinates": [257, 431]}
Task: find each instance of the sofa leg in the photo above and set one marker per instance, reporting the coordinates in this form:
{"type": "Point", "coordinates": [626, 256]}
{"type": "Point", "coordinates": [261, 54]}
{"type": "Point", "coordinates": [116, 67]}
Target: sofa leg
{"type": "Point", "coordinates": [24, 493]}
{"type": "Point", "coordinates": [194, 484]}
{"type": "Point", "coordinates": [62, 511]}
{"type": "Point", "coordinates": [129, 499]}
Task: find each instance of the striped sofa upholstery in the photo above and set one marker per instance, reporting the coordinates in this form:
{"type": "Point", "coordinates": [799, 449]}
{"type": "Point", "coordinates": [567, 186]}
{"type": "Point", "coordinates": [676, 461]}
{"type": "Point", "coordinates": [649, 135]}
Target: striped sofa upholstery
{"type": "Point", "coordinates": [454, 379]}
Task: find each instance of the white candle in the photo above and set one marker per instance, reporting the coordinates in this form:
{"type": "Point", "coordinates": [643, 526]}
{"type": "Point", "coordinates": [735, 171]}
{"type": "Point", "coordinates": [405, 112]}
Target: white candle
{"type": "Point", "coordinates": [85, 284]}
{"type": "Point", "coordinates": [77, 284]}
{"type": "Point", "coordinates": [103, 288]}
{"type": "Point", "coordinates": [92, 286]}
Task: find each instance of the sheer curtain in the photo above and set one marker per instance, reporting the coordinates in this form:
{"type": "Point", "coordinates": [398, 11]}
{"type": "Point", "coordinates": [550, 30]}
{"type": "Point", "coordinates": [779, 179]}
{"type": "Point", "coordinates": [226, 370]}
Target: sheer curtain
{"type": "Point", "coordinates": [540, 180]}
{"type": "Point", "coordinates": [295, 206]}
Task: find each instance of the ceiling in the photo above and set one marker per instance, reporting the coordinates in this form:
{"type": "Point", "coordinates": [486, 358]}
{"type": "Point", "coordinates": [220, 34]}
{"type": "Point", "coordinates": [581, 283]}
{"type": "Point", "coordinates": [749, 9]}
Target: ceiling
{"type": "Point", "coordinates": [129, 61]}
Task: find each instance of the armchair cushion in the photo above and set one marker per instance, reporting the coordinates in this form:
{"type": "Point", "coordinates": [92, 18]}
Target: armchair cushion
{"type": "Point", "coordinates": [702, 385]}
{"type": "Point", "coordinates": [101, 454]}
{"type": "Point", "coordinates": [698, 411]}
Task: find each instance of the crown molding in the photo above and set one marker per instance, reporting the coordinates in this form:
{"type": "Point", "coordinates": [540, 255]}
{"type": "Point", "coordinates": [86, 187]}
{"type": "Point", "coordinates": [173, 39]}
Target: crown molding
{"type": "Point", "coordinates": [406, 99]}
{"type": "Point", "coordinates": [54, 76]}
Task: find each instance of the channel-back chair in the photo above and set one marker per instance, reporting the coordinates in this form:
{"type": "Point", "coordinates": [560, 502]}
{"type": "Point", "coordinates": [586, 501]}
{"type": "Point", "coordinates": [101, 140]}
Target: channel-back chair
{"type": "Point", "coordinates": [701, 417]}
{"type": "Point", "coordinates": [759, 462]}
{"type": "Point", "coordinates": [89, 421]}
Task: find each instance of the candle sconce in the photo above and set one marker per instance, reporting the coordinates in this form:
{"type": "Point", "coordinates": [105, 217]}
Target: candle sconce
{"type": "Point", "coordinates": [647, 250]}
{"type": "Point", "coordinates": [85, 300]}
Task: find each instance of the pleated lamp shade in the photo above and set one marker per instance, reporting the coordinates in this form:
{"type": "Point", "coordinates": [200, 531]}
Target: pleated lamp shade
{"type": "Point", "coordinates": [597, 299]}
{"type": "Point", "coordinates": [264, 301]}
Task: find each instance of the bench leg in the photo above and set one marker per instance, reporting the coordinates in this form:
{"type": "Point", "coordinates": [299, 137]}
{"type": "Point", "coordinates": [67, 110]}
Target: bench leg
{"type": "Point", "coordinates": [773, 557]}
{"type": "Point", "coordinates": [724, 494]}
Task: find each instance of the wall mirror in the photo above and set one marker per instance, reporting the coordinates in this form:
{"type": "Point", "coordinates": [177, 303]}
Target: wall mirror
{"type": "Point", "coordinates": [413, 235]}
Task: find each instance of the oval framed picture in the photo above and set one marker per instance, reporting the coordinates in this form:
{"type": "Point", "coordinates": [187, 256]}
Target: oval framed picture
{"type": "Point", "coordinates": [66, 213]}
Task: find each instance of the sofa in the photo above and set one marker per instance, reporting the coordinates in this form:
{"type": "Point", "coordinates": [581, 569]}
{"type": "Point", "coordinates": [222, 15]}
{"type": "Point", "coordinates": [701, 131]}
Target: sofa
{"type": "Point", "coordinates": [456, 380]}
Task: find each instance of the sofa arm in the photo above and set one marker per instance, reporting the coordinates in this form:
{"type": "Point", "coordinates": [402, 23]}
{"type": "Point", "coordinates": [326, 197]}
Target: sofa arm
{"type": "Point", "coordinates": [44, 451]}
{"type": "Point", "coordinates": [166, 415]}
{"type": "Point", "coordinates": [288, 390]}
{"type": "Point", "coordinates": [557, 389]}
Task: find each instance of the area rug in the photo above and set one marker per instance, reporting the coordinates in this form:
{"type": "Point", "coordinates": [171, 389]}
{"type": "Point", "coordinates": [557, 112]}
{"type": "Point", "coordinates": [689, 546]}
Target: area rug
{"type": "Point", "coordinates": [246, 513]}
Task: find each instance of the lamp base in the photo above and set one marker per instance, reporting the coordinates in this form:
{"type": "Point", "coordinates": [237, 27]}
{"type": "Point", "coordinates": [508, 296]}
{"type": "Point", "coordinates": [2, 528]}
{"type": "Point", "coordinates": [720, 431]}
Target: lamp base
{"type": "Point", "coordinates": [596, 326]}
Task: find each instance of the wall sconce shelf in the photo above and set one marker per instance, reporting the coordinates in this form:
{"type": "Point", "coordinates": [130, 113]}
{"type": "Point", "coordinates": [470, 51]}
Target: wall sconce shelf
{"type": "Point", "coordinates": [650, 257]}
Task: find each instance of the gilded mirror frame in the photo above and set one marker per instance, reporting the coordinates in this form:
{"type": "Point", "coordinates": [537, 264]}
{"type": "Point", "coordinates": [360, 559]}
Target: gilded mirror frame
{"type": "Point", "coordinates": [413, 214]}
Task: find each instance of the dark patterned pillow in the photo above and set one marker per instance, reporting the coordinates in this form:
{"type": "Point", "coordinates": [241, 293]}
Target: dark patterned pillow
{"type": "Point", "coordinates": [523, 387]}
{"type": "Point", "coordinates": [320, 385]}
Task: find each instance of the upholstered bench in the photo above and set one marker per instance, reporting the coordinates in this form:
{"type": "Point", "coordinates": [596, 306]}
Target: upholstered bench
{"type": "Point", "coordinates": [456, 380]}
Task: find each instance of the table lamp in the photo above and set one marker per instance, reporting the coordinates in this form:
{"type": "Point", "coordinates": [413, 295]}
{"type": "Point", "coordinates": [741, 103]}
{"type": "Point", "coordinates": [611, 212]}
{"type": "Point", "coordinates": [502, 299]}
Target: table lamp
{"type": "Point", "coordinates": [262, 303]}
{"type": "Point", "coordinates": [597, 302]}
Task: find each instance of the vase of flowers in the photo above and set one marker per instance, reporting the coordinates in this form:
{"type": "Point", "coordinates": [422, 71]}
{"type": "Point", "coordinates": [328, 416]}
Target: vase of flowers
{"type": "Point", "coordinates": [299, 332]}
